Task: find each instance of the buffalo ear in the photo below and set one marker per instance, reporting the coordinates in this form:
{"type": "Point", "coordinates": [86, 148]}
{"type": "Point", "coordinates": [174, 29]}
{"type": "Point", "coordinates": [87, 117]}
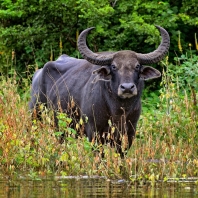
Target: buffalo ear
{"type": "Point", "coordinates": [103, 73]}
{"type": "Point", "coordinates": [148, 72]}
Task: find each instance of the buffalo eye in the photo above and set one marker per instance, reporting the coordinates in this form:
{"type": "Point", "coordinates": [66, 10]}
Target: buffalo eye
{"type": "Point", "coordinates": [113, 67]}
{"type": "Point", "coordinates": [137, 66]}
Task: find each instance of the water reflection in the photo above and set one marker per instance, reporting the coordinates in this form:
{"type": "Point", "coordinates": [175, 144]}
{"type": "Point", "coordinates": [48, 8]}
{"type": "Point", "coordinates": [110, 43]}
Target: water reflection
{"type": "Point", "coordinates": [91, 187]}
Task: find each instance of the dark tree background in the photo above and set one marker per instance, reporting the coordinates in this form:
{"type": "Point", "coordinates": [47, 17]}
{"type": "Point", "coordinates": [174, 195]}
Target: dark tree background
{"type": "Point", "coordinates": [33, 32]}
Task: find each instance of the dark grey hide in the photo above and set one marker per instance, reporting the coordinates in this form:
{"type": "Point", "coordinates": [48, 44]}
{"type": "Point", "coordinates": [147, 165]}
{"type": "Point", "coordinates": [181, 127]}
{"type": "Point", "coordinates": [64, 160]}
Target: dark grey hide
{"type": "Point", "coordinates": [105, 86]}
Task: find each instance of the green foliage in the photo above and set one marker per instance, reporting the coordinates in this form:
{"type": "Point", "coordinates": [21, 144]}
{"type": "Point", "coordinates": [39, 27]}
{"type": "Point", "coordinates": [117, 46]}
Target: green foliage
{"type": "Point", "coordinates": [63, 123]}
{"type": "Point", "coordinates": [38, 31]}
{"type": "Point", "coordinates": [185, 72]}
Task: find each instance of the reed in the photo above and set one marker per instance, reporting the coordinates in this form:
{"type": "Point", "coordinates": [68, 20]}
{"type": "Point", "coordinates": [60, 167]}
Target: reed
{"type": "Point", "coordinates": [165, 145]}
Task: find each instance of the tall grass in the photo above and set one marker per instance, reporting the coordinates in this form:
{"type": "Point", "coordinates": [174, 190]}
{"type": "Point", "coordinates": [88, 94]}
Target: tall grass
{"type": "Point", "coordinates": [165, 145]}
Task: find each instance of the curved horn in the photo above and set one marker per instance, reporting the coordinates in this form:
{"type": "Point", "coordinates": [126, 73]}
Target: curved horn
{"type": "Point", "coordinates": [87, 54]}
{"type": "Point", "coordinates": [159, 53]}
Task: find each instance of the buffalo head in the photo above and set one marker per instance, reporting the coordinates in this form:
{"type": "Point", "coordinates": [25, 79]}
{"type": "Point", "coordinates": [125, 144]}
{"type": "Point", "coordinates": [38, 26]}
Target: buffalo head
{"type": "Point", "coordinates": [125, 69]}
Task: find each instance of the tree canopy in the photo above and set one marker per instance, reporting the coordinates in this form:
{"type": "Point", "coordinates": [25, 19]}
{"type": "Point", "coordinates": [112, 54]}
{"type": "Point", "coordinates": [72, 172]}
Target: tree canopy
{"type": "Point", "coordinates": [36, 31]}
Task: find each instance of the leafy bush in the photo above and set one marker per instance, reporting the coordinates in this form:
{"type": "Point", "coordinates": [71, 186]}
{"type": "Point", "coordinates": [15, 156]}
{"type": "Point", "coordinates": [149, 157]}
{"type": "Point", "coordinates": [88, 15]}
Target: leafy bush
{"type": "Point", "coordinates": [185, 72]}
{"type": "Point", "coordinates": [38, 31]}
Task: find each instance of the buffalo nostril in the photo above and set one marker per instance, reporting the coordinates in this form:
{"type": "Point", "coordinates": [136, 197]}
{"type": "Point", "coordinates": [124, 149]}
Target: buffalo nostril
{"type": "Point", "coordinates": [132, 86]}
{"type": "Point", "coordinates": [122, 87]}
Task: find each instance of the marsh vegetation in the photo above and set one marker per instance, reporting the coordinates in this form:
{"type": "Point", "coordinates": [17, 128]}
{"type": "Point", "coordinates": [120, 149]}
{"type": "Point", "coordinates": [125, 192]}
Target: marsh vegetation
{"type": "Point", "coordinates": [165, 145]}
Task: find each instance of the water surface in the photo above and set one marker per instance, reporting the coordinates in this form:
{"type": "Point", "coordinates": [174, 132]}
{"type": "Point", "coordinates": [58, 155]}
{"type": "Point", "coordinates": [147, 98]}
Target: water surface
{"type": "Point", "coordinates": [63, 187]}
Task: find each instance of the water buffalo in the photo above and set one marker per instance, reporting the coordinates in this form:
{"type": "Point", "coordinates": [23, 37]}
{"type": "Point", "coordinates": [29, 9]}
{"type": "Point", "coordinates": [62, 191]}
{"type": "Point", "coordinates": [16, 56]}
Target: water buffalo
{"type": "Point", "coordinates": [106, 86]}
